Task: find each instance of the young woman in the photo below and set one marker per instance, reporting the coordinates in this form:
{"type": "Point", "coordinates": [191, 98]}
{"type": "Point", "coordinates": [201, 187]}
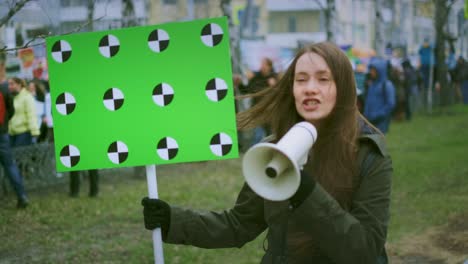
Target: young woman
{"type": "Point", "coordinates": [10, 168]}
{"type": "Point", "coordinates": [340, 212]}
{"type": "Point", "coordinates": [24, 125]}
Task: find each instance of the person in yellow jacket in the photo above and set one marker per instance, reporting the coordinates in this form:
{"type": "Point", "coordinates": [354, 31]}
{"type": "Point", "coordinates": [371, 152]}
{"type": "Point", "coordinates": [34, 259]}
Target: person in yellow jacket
{"type": "Point", "coordinates": [23, 126]}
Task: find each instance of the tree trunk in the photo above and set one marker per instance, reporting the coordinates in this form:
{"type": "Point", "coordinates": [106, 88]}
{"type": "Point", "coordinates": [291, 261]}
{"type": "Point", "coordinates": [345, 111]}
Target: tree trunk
{"type": "Point", "coordinates": [90, 15]}
{"type": "Point", "coordinates": [379, 44]}
{"type": "Point", "coordinates": [442, 85]}
{"type": "Point", "coordinates": [329, 13]}
{"type": "Point", "coordinates": [128, 14]}
{"type": "Point", "coordinates": [234, 34]}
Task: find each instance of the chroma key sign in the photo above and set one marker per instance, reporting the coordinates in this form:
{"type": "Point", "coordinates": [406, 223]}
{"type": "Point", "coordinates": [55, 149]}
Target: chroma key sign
{"type": "Point", "coordinates": [143, 95]}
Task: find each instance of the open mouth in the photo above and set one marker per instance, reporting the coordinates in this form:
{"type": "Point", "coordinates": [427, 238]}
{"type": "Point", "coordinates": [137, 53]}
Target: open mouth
{"type": "Point", "coordinates": [311, 102]}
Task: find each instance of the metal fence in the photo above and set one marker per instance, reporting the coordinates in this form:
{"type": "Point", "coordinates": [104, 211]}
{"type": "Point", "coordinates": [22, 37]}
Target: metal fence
{"type": "Point", "coordinates": [37, 165]}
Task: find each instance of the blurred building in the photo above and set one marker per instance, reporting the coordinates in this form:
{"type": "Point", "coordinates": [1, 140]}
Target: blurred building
{"type": "Point", "coordinates": [458, 27]}
{"type": "Point", "coordinates": [418, 23]}
{"type": "Point", "coordinates": [294, 23]}
{"type": "Point", "coordinates": [106, 14]}
{"type": "Point", "coordinates": [268, 26]}
{"type": "Point", "coordinates": [250, 15]}
{"type": "Point", "coordinates": [39, 18]}
{"type": "Point", "coordinates": [162, 11]}
{"type": "Point", "coordinates": [355, 23]}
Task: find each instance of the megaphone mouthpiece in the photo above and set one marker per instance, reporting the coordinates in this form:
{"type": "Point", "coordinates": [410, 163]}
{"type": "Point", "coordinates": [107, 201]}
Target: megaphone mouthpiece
{"type": "Point", "coordinates": [271, 172]}
{"type": "Point", "coordinates": [278, 164]}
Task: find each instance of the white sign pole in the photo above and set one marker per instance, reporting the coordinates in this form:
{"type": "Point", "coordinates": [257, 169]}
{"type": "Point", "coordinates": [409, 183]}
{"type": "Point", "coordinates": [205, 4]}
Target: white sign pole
{"type": "Point", "coordinates": [153, 194]}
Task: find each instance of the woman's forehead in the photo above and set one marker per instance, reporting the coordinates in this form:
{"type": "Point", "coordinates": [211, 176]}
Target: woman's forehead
{"type": "Point", "coordinates": [311, 61]}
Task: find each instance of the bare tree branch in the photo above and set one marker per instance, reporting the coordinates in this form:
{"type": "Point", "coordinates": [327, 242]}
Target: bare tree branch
{"type": "Point", "coordinates": [28, 44]}
{"type": "Point", "coordinates": [13, 11]}
{"type": "Point", "coordinates": [446, 12]}
{"type": "Point", "coordinates": [319, 3]}
{"type": "Point", "coordinates": [450, 3]}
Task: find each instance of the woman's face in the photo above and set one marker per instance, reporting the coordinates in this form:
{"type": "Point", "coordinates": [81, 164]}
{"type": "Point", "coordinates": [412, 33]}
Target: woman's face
{"type": "Point", "coordinates": [314, 88]}
{"type": "Point", "coordinates": [32, 88]}
{"type": "Point", "coordinates": [13, 86]}
{"type": "Point", "coordinates": [265, 67]}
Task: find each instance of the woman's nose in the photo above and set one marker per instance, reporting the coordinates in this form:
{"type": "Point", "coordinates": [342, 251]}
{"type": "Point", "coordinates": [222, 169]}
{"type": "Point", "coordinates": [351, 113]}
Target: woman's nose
{"type": "Point", "coordinates": [311, 87]}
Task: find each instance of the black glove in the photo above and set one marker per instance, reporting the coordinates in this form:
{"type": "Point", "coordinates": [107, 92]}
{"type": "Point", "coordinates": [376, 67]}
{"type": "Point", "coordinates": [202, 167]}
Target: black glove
{"type": "Point", "coordinates": [305, 188]}
{"type": "Point", "coordinates": [157, 213]}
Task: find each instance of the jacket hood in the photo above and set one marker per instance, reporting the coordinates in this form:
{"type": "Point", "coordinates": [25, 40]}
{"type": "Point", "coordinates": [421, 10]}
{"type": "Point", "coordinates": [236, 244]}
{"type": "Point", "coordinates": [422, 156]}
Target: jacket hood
{"type": "Point", "coordinates": [381, 66]}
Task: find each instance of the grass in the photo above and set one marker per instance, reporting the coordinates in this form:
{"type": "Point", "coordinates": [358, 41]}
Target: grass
{"type": "Point", "coordinates": [430, 182]}
{"type": "Point", "coordinates": [430, 185]}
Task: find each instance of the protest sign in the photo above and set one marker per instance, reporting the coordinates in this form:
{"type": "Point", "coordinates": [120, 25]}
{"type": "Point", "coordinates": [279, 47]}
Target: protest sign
{"type": "Point", "coordinates": [144, 95]}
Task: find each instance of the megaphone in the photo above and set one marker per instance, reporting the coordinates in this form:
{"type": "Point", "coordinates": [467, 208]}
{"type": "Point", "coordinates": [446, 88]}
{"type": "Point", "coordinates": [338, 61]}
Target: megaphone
{"type": "Point", "coordinates": [273, 170]}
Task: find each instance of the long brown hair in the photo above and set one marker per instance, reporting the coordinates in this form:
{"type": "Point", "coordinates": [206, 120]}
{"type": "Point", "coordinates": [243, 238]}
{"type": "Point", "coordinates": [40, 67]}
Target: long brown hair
{"type": "Point", "coordinates": [19, 81]}
{"type": "Point", "coordinates": [334, 154]}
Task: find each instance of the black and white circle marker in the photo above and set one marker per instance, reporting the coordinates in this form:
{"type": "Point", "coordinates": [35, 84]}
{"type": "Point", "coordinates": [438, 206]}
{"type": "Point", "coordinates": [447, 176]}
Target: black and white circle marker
{"type": "Point", "coordinates": [167, 148]}
{"type": "Point", "coordinates": [65, 103]}
{"type": "Point", "coordinates": [221, 144]}
{"type": "Point", "coordinates": [117, 152]}
{"type": "Point", "coordinates": [216, 89]}
{"type": "Point", "coordinates": [109, 46]}
{"type": "Point", "coordinates": [70, 156]}
{"type": "Point", "coordinates": [163, 94]}
{"type": "Point", "coordinates": [61, 51]}
{"type": "Point", "coordinates": [158, 40]}
{"type": "Point", "coordinates": [113, 99]}
{"type": "Point", "coordinates": [212, 34]}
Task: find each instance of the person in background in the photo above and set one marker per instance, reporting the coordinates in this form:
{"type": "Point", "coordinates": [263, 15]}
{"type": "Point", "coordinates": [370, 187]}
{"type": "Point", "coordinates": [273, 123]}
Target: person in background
{"type": "Point", "coordinates": [360, 75]}
{"type": "Point", "coordinates": [380, 96]}
{"type": "Point", "coordinates": [37, 89]}
{"type": "Point", "coordinates": [410, 84]}
{"type": "Point", "coordinates": [266, 77]}
{"type": "Point", "coordinates": [75, 180]}
{"type": "Point", "coordinates": [461, 79]}
{"type": "Point", "coordinates": [426, 60]}
{"type": "Point", "coordinates": [395, 75]}
{"type": "Point", "coordinates": [340, 212]}
{"type": "Point", "coordinates": [6, 156]}
{"type": "Point", "coordinates": [24, 125]}
{"type": "Point", "coordinates": [47, 119]}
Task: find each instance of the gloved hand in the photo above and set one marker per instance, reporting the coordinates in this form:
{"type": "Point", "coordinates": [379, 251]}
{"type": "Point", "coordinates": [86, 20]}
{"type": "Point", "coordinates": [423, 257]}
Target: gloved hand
{"type": "Point", "coordinates": [157, 213]}
{"type": "Point", "coordinates": [305, 188]}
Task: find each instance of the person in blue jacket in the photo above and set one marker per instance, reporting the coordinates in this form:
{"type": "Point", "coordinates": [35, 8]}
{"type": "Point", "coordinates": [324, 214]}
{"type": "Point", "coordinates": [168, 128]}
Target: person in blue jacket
{"type": "Point", "coordinates": [380, 97]}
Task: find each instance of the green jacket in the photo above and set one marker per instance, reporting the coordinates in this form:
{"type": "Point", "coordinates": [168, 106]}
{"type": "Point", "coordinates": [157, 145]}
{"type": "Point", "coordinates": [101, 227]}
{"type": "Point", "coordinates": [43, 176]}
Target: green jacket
{"type": "Point", "coordinates": [354, 236]}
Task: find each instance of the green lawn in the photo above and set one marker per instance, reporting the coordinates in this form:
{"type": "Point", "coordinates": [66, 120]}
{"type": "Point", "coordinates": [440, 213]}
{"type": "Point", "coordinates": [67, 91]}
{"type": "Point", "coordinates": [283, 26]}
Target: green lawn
{"type": "Point", "coordinates": [430, 185]}
{"type": "Point", "coordinates": [430, 181]}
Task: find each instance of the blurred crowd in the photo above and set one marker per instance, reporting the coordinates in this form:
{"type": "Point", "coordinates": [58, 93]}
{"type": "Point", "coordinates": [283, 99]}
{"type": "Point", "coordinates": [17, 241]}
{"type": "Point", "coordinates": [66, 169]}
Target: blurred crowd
{"type": "Point", "coordinates": [25, 119]}
{"type": "Point", "coordinates": [389, 89]}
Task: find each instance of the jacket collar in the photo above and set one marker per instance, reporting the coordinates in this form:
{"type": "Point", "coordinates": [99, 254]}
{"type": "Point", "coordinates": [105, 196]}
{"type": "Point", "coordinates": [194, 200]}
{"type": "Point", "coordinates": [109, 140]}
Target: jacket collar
{"type": "Point", "coordinates": [368, 133]}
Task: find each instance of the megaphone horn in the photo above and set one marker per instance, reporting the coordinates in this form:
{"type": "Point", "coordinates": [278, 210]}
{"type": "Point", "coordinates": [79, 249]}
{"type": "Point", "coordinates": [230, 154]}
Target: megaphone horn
{"type": "Point", "coordinates": [273, 170]}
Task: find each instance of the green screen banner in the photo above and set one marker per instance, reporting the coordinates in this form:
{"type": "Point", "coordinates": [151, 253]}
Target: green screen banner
{"type": "Point", "coordinates": [466, 9]}
{"type": "Point", "coordinates": [145, 95]}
